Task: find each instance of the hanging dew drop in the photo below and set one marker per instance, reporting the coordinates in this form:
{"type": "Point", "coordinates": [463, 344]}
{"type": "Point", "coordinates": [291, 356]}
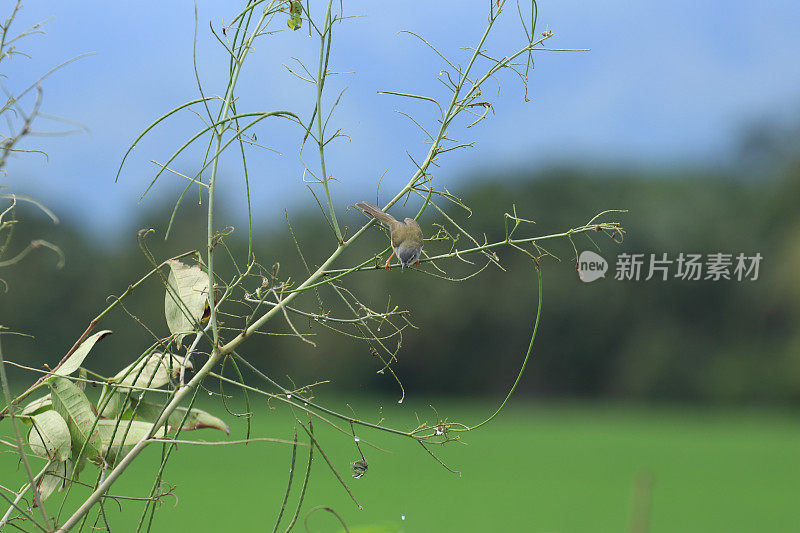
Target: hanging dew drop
{"type": "Point", "coordinates": [402, 517]}
{"type": "Point", "coordinates": [400, 400]}
{"type": "Point", "coordinates": [356, 439]}
{"type": "Point", "coordinates": [210, 393]}
{"type": "Point", "coordinates": [289, 396]}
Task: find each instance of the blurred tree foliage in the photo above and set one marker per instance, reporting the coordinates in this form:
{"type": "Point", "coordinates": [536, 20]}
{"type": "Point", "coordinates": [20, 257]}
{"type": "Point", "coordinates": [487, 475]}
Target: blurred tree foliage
{"type": "Point", "coordinates": [697, 341]}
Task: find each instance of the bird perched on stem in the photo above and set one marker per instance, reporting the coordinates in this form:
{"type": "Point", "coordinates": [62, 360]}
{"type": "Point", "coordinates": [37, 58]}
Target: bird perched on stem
{"type": "Point", "coordinates": [406, 235]}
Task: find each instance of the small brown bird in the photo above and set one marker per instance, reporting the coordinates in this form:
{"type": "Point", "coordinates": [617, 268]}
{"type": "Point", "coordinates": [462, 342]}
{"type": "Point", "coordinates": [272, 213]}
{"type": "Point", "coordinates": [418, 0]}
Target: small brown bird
{"type": "Point", "coordinates": [406, 235]}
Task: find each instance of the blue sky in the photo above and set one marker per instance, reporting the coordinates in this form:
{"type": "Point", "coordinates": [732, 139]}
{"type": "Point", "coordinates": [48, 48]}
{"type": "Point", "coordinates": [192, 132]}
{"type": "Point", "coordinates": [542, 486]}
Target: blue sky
{"type": "Point", "coordinates": [663, 83]}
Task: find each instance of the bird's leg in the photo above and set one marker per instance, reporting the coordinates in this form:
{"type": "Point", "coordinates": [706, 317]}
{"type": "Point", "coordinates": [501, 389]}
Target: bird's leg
{"type": "Point", "coordinates": [387, 266]}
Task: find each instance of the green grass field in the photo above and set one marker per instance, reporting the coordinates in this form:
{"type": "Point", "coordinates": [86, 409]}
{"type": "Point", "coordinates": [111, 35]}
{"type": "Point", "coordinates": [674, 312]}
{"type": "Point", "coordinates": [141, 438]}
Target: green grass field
{"type": "Point", "coordinates": [538, 468]}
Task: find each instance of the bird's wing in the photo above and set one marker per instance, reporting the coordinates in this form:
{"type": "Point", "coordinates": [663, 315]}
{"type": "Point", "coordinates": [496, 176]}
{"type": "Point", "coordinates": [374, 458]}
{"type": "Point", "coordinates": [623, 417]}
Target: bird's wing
{"type": "Point", "coordinates": [371, 209]}
{"type": "Point", "coordinates": [413, 232]}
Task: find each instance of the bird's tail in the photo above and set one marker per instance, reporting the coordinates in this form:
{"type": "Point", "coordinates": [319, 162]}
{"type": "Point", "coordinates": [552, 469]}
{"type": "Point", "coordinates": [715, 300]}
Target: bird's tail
{"type": "Point", "coordinates": [371, 209]}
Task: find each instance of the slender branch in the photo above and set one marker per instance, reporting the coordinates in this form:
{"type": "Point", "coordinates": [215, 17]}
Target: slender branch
{"type": "Point", "coordinates": [224, 110]}
{"type": "Point", "coordinates": [288, 485]}
{"type": "Point", "coordinates": [605, 226]}
{"type": "Point", "coordinates": [228, 442]}
{"type": "Point", "coordinates": [32, 481]}
{"type": "Point", "coordinates": [524, 361]}
{"type": "Point", "coordinates": [321, 74]}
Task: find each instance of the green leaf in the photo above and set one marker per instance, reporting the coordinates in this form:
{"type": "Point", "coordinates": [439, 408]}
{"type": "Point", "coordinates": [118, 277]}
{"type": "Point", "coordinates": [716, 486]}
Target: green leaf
{"type": "Point", "coordinates": [197, 418]}
{"type": "Point", "coordinates": [294, 23]}
{"type": "Point", "coordinates": [114, 405]}
{"type": "Point", "coordinates": [74, 361]}
{"type": "Point", "coordinates": [55, 477]}
{"type": "Point", "coordinates": [49, 437]}
{"type": "Point", "coordinates": [152, 371]}
{"type": "Point", "coordinates": [39, 405]}
{"type": "Point", "coordinates": [186, 298]}
{"type": "Point", "coordinates": [295, 20]}
{"type": "Point", "coordinates": [118, 438]}
{"type": "Point", "coordinates": [73, 406]}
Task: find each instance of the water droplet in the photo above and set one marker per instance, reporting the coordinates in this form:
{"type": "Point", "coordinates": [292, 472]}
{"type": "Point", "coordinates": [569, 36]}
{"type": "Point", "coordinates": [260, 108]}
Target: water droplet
{"type": "Point", "coordinates": [400, 400]}
{"type": "Point", "coordinates": [305, 403]}
{"type": "Point", "coordinates": [356, 439]}
{"type": "Point", "coordinates": [210, 393]}
{"type": "Point", "coordinates": [402, 517]}
{"type": "Point", "coordinates": [289, 396]}
{"type": "Point", "coordinates": [360, 508]}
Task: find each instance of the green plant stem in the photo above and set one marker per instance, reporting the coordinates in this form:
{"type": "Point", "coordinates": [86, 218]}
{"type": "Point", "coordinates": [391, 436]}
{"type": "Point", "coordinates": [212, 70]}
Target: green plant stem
{"type": "Point", "coordinates": [288, 485]}
{"type": "Point", "coordinates": [321, 74]}
{"type": "Point", "coordinates": [226, 107]}
{"type": "Point", "coordinates": [524, 361]}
